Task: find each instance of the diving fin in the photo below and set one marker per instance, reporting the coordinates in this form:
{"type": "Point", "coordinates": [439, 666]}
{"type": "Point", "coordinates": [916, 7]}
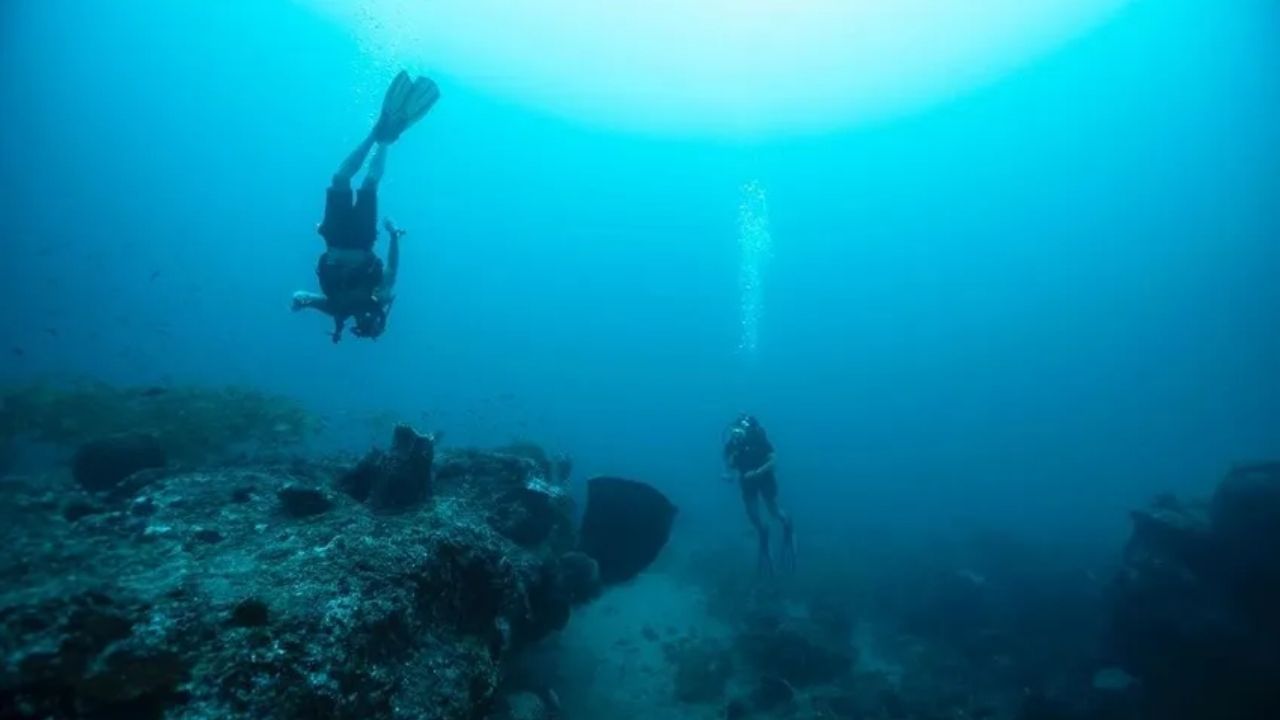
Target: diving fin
{"type": "Point", "coordinates": [397, 91]}
{"type": "Point", "coordinates": [787, 559]}
{"type": "Point", "coordinates": [405, 103]}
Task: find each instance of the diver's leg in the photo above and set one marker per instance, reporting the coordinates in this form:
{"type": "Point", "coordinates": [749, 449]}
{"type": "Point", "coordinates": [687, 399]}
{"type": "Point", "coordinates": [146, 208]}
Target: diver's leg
{"type": "Point", "coordinates": [336, 226]}
{"type": "Point", "coordinates": [787, 553]}
{"type": "Point", "coordinates": [749, 499]}
{"type": "Point", "coordinates": [777, 513]}
{"type": "Point", "coordinates": [364, 219]}
{"type": "Point", "coordinates": [377, 166]}
{"type": "Point", "coordinates": [350, 166]}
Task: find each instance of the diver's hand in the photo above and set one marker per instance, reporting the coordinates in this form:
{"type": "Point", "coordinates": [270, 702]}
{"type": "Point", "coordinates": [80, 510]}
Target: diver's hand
{"type": "Point", "coordinates": [303, 300]}
{"type": "Point", "coordinates": [394, 231]}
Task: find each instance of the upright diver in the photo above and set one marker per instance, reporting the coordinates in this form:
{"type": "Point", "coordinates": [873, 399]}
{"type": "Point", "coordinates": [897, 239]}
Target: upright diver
{"type": "Point", "coordinates": [352, 278]}
{"type": "Point", "coordinates": [748, 452]}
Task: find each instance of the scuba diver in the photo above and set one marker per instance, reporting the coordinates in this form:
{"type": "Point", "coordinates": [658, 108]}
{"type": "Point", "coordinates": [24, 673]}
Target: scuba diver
{"type": "Point", "coordinates": [748, 452]}
{"type": "Point", "coordinates": [352, 278]}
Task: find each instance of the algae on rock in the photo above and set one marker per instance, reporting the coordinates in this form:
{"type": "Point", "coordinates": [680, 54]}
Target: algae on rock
{"type": "Point", "coordinates": [347, 612]}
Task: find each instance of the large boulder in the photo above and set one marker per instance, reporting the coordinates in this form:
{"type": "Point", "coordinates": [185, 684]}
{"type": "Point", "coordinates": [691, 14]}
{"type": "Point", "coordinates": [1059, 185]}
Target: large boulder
{"type": "Point", "coordinates": [1196, 614]}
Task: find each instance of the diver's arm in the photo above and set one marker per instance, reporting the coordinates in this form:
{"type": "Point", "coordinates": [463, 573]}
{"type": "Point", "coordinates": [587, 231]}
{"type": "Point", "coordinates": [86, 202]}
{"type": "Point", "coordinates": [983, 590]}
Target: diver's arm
{"type": "Point", "coordinates": [767, 467]}
{"type": "Point", "coordinates": [303, 300]}
{"type": "Point", "coordinates": [393, 260]}
{"type": "Point", "coordinates": [393, 254]}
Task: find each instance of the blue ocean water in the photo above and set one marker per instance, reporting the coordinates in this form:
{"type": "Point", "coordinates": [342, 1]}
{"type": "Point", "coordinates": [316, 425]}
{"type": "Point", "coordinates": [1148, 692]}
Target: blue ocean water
{"type": "Point", "coordinates": [1030, 305]}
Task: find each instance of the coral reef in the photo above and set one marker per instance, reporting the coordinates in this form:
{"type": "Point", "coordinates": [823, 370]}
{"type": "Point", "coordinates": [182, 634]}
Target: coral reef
{"type": "Point", "coordinates": [266, 591]}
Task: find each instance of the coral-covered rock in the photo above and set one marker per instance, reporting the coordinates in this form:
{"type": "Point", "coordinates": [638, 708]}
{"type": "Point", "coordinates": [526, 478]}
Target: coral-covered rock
{"type": "Point", "coordinates": [250, 612]}
{"type": "Point", "coordinates": [394, 480]}
{"type": "Point", "coordinates": [326, 610]}
{"type": "Point", "coordinates": [102, 464]}
{"type": "Point", "coordinates": [579, 577]}
{"type": "Point", "coordinates": [514, 492]}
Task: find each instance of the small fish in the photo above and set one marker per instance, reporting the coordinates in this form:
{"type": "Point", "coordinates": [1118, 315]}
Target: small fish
{"type": "Point", "coordinates": [155, 275]}
{"type": "Point", "coordinates": [18, 351]}
{"type": "Point", "coordinates": [51, 331]}
{"type": "Point", "coordinates": [154, 391]}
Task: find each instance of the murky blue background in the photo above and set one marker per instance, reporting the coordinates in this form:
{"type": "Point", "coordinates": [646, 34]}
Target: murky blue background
{"type": "Point", "coordinates": [1031, 306]}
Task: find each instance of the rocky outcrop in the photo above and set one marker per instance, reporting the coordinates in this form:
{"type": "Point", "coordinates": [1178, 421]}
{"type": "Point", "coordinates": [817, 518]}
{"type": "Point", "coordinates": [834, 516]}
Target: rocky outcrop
{"type": "Point", "coordinates": [394, 480]}
{"type": "Point", "coordinates": [1197, 605]}
{"type": "Point", "coordinates": [267, 592]}
{"type": "Point", "coordinates": [515, 495]}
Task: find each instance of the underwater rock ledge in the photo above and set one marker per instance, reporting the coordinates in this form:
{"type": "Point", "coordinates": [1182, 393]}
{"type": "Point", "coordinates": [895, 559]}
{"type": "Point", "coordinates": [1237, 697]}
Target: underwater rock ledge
{"type": "Point", "coordinates": [270, 592]}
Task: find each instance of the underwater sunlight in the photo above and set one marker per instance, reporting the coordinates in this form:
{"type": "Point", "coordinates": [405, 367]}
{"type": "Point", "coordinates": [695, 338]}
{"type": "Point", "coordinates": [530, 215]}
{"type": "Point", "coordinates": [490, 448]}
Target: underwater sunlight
{"type": "Point", "coordinates": [724, 68]}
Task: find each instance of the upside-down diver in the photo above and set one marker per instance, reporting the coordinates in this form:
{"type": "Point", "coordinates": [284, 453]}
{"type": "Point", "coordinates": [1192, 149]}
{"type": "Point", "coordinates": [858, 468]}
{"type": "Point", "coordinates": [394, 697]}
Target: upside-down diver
{"type": "Point", "coordinates": [353, 282]}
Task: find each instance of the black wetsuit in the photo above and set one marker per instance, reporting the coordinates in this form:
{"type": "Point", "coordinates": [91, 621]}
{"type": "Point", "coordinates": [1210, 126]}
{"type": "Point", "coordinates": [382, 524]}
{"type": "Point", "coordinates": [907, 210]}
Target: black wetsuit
{"type": "Point", "coordinates": [349, 268]}
{"type": "Point", "coordinates": [751, 453]}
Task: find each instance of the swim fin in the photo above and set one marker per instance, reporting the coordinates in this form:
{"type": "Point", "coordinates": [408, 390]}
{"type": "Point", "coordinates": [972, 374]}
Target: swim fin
{"type": "Point", "coordinates": [787, 559]}
{"type": "Point", "coordinates": [405, 103]}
